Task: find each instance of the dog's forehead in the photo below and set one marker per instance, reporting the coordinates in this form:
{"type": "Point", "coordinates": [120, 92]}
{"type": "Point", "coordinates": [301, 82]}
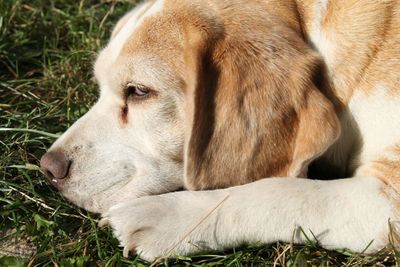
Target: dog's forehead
{"type": "Point", "coordinates": [147, 37]}
{"type": "Point", "coordinates": [125, 28]}
{"type": "Point", "coordinates": [134, 21]}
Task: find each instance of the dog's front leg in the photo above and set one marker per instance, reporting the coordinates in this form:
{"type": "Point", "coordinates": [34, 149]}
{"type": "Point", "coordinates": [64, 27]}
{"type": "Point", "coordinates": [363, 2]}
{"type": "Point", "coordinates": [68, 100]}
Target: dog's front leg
{"type": "Point", "coordinates": [348, 213]}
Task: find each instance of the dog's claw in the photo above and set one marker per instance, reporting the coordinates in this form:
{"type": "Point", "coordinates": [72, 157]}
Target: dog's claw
{"type": "Point", "coordinates": [103, 222]}
{"type": "Point", "coordinates": [127, 250]}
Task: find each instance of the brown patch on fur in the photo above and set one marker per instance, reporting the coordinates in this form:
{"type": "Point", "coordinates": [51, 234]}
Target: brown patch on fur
{"type": "Point", "coordinates": [121, 23]}
{"type": "Point", "coordinates": [254, 107]}
{"type": "Point", "coordinates": [318, 129]}
{"type": "Point", "coordinates": [365, 35]}
{"type": "Point", "coordinates": [124, 114]}
{"type": "Point", "coordinates": [256, 111]}
{"type": "Point", "coordinates": [387, 168]}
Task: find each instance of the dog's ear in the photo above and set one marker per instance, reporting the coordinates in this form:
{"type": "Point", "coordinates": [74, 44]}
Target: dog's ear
{"type": "Point", "coordinates": [317, 129]}
{"type": "Point", "coordinates": [254, 110]}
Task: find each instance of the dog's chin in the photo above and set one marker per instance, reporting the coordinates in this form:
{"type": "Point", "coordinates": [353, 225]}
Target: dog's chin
{"type": "Point", "coordinates": [84, 202]}
{"type": "Point", "coordinates": [98, 198]}
{"type": "Point", "coordinates": [99, 202]}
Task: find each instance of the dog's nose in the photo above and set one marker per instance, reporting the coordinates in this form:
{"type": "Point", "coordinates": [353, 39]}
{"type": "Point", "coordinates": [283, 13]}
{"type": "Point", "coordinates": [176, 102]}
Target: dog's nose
{"type": "Point", "coordinates": [55, 166]}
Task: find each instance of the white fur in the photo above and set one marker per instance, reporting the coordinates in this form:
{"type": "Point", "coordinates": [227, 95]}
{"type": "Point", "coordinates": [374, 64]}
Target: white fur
{"type": "Point", "coordinates": [320, 39]}
{"type": "Point", "coordinates": [375, 112]}
{"type": "Point", "coordinates": [112, 164]}
{"type": "Point", "coordinates": [348, 213]}
{"type": "Point", "coordinates": [115, 162]}
{"type": "Point", "coordinates": [131, 25]}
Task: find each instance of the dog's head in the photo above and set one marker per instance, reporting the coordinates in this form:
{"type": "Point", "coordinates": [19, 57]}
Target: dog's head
{"type": "Point", "coordinates": [194, 94]}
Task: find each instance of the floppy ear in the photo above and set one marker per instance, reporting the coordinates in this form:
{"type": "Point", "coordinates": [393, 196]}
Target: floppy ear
{"type": "Point", "coordinates": [253, 109]}
{"type": "Point", "coordinates": [318, 128]}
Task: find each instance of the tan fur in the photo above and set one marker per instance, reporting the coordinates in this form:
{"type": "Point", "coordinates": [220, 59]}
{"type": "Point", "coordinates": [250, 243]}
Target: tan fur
{"type": "Point", "coordinates": [368, 55]}
{"type": "Point", "coordinates": [368, 34]}
{"type": "Point", "coordinates": [254, 89]}
{"type": "Point", "coordinates": [239, 91]}
{"type": "Point", "coordinates": [387, 168]}
{"type": "Point", "coordinates": [236, 89]}
{"type": "Point", "coordinates": [233, 106]}
{"type": "Point", "coordinates": [122, 22]}
{"type": "Point", "coordinates": [245, 106]}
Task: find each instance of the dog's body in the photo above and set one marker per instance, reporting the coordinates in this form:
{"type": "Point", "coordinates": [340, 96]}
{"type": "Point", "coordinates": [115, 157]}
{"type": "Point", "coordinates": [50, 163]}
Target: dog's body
{"type": "Point", "coordinates": [218, 94]}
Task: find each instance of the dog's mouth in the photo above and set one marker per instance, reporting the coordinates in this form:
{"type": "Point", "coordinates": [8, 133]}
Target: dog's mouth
{"type": "Point", "coordinates": [84, 192]}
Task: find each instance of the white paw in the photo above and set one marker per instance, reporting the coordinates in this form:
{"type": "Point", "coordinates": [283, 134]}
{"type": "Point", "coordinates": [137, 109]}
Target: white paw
{"type": "Point", "coordinates": [167, 225]}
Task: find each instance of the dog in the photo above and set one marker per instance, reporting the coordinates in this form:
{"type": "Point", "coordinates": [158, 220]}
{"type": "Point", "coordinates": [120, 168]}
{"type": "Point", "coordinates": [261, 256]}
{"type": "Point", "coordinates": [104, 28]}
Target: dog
{"type": "Point", "coordinates": [240, 103]}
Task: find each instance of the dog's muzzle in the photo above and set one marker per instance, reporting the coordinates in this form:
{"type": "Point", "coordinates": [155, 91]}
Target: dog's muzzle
{"type": "Point", "coordinates": [56, 166]}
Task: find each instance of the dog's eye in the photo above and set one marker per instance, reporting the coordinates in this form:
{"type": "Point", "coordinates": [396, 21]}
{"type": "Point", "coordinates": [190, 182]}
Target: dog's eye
{"type": "Point", "coordinates": [137, 91]}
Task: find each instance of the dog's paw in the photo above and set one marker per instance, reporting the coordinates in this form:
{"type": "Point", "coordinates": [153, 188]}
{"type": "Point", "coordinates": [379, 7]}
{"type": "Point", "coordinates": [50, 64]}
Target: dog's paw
{"type": "Point", "coordinates": [167, 225]}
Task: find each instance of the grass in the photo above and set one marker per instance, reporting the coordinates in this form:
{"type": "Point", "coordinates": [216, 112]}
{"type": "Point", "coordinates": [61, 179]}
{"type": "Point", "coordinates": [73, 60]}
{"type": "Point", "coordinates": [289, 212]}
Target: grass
{"type": "Point", "coordinates": [46, 52]}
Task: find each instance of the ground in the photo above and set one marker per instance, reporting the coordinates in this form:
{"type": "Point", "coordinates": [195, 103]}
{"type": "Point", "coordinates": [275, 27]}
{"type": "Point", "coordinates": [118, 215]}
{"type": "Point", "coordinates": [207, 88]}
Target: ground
{"type": "Point", "coordinates": [47, 48]}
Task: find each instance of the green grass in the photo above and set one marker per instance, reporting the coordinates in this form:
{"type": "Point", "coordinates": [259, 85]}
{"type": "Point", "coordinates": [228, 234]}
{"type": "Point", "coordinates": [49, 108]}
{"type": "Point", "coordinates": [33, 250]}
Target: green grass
{"type": "Point", "coordinates": [46, 52]}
